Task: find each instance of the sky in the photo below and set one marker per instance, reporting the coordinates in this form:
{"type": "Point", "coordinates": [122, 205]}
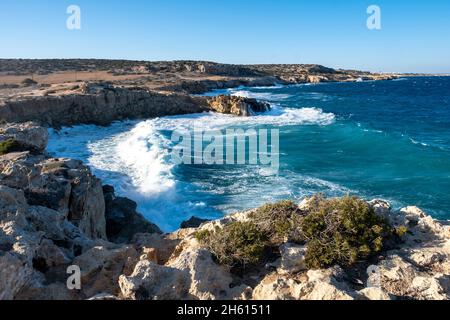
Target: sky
{"type": "Point", "coordinates": [414, 34]}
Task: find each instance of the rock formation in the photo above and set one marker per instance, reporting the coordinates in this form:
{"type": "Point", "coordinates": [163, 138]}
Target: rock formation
{"type": "Point", "coordinates": [27, 135]}
{"type": "Point", "coordinates": [237, 105]}
{"type": "Point", "coordinates": [139, 89]}
{"type": "Point", "coordinates": [122, 219]}
{"type": "Point", "coordinates": [52, 215]}
{"type": "Point", "coordinates": [419, 269]}
{"type": "Point", "coordinates": [97, 104]}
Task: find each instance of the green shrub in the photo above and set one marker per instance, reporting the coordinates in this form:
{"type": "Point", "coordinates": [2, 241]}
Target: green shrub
{"type": "Point", "coordinates": [401, 231]}
{"type": "Point", "coordinates": [9, 145]}
{"type": "Point", "coordinates": [202, 236]}
{"type": "Point", "coordinates": [237, 244]}
{"type": "Point", "coordinates": [279, 221]}
{"type": "Point", "coordinates": [28, 82]}
{"type": "Point", "coordinates": [336, 231]}
{"type": "Point", "coordinates": [342, 231]}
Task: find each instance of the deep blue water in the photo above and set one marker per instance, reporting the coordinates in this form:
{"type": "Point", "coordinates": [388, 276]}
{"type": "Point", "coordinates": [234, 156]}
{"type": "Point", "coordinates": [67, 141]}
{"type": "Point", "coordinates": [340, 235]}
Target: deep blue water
{"type": "Point", "coordinates": [386, 139]}
{"type": "Point", "coordinates": [391, 139]}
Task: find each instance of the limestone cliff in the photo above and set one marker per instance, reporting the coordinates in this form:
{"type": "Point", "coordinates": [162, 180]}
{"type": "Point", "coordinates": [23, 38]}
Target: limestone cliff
{"type": "Point", "coordinates": [97, 104]}
{"type": "Point", "coordinates": [101, 104]}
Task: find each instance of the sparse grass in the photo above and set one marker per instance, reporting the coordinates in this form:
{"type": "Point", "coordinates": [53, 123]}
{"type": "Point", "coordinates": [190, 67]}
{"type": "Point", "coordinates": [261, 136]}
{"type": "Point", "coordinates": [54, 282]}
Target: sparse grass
{"type": "Point", "coordinates": [9, 146]}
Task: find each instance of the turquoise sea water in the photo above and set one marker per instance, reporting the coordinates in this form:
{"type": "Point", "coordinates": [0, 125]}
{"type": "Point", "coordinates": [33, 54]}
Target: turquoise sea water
{"type": "Point", "coordinates": [387, 139]}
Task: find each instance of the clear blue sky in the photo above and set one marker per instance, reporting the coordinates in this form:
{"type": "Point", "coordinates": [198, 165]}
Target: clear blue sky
{"type": "Point", "coordinates": [415, 35]}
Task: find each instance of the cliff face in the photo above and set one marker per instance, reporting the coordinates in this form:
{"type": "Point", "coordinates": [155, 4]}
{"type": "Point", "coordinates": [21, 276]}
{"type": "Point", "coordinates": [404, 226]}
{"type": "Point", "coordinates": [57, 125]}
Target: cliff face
{"type": "Point", "coordinates": [54, 214]}
{"type": "Point", "coordinates": [93, 103]}
{"type": "Point", "coordinates": [99, 105]}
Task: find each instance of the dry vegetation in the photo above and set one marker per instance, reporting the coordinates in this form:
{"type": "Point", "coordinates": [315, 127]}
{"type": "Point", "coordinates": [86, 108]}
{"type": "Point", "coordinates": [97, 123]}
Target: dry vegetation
{"type": "Point", "coordinates": [336, 231]}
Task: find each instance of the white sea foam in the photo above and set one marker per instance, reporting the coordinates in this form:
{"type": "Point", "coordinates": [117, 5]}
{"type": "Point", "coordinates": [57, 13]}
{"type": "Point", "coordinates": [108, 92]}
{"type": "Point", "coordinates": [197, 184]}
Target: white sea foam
{"type": "Point", "coordinates": [418, 142]}
{"type": "Point", "coordinates": [260, 95]}
{"type": "Point", "coordinates": [134, 157]}
{"type": "Point", "coordinates": [276, 117]}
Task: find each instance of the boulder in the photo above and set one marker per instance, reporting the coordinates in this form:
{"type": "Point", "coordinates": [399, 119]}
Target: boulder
{"type": "Point", "coordinates": [150, 281]}
{"type": "Point", "coordinates": [28, 135]}
{"type": "Point", "coordinates": [63, 185]}
{"type": "Point", "coordinates": [102, 266]}
{"type": "Point", "coordinates": [87, 205]}
{"type": "Point", "coordinates": [17, 246]}
{"type": "Point", "coordinates": [207, 279]}
{"type": "Point", "coordinates": [292, 259]}
{"type": "Point", "coordinates": [123, 222]}
{"type": "Point", "coordinates": [190, 275]}
{"type": "Point", "coordinates": [315, 285]}
{"type": "Point", "coordinates": [430, 288]}
{"type": "Point", "coordinates": [193, 222]}
{"type": "Point", "coordinates": [374, 293]}
{"type": "Point", "coordinates": [381, 207]}
{"type": "Point", "coordinates": [238, 106]}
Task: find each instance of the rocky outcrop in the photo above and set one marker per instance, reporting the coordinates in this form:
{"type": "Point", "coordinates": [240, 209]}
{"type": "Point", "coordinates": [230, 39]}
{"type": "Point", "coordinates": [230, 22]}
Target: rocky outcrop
{"type": "Point", "coordinates": [123, 222]}
{"type": "Point", "coordinates": [63, 185]}
{"type": "Point", "coordinates": [239, 106]}
{"type": "Point", "coordinates": [418, 269]}
{"type": "Point", "coordinates": [103, 103]}
{"type": "Point", "coordinates": [97, 104]}
{"type": "Point", "coordinates": [52, 216]}
{"type": "Point", "coordinates": [28, 136]}
{"type": "Point", "coordinates": [193, 222]}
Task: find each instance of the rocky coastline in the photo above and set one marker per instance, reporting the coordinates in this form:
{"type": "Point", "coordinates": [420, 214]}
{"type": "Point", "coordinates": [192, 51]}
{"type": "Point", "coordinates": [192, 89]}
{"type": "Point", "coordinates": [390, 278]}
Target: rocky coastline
{"type": "Point", "coordinates": [139, 90]}
{"type": "Point", "coordinates": [54, 214]}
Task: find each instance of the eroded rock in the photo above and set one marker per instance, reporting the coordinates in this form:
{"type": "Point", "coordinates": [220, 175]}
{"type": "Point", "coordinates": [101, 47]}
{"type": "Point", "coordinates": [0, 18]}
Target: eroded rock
{"type": "Point", "coordinates": [238, 106]}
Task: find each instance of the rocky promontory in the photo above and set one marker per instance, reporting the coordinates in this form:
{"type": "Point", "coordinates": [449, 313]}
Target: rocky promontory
{"type": "Point", "coordinates": [68, 92]}
{"type": "Point", "coordinates": [101, 104]}
{"type": "Point", "coordinates": [237, 105]}
{"type": "Point", "coordinates": [54, 215]}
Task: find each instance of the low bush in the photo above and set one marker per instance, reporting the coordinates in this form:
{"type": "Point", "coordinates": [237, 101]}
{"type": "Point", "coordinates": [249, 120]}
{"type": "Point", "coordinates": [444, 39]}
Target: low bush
{"type": "Point", "coordinates": [279, 221]}
{"type": "Point", "coordinates": [337, 231]}
{"type": "Point", "coordinates": [342, 231]}
{"type": "Point", "coordinates": [9, 146]}
{"type": "Point", "coordinates": [28, 82]}
{"type": "Point", "coordinates": [236, 244]}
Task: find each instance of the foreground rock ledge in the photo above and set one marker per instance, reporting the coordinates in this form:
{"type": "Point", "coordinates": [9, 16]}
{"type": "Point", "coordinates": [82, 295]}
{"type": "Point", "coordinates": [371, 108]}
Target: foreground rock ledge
{"type": "Point", "coordinates": [52, 215]}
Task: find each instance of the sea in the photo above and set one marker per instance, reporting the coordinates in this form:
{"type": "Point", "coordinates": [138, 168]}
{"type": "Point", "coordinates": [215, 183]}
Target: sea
{"type": "Point", "coordinates": [374, 139]}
